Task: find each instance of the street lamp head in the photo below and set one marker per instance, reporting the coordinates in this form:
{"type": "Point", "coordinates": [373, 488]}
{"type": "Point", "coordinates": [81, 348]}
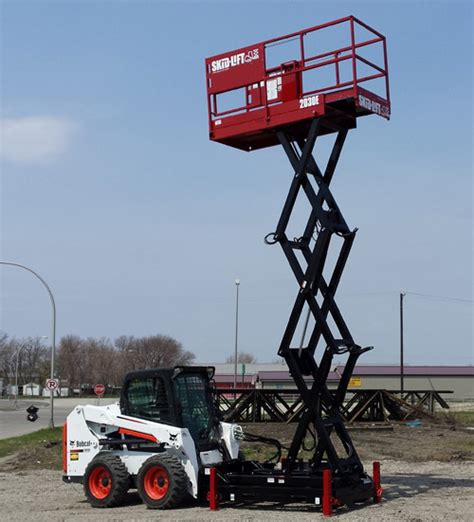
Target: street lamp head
{"type": "Point", "coordinates": [237, 282]}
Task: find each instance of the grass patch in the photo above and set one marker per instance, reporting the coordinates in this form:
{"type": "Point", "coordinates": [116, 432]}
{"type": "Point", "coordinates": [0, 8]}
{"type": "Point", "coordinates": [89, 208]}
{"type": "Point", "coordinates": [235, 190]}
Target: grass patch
{"type": "Point", "coordinates": [38, 450]}
{"type": "Point", "coordinates": [465, 418]}
{"type": "Point", "coordinates": [468, 445]}
{"type": "Point", "coordinates": [30, 441]}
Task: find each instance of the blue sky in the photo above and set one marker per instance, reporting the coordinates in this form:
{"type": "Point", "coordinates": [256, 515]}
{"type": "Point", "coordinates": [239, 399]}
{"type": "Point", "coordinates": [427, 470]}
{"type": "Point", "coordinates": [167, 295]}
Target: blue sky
{"type": "Point", "coordinates": [140, 224]}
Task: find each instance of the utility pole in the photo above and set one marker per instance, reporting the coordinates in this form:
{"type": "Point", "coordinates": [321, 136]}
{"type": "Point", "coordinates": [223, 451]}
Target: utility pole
{"type": "Point", "coordinates": [237, 284]}
{"type": "Point", "coordinates": [401, 343]}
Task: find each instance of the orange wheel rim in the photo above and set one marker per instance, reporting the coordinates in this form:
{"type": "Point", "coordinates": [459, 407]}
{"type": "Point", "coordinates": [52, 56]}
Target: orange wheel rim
{"type": "Point", "coordinates": [156, 482]}
{"type": "Point", "coordinates": [100, 482]}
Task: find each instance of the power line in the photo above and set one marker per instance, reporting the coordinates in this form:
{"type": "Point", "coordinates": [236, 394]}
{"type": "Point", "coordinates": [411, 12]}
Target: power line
{"type": "Point", "coordinates": [441, 297]}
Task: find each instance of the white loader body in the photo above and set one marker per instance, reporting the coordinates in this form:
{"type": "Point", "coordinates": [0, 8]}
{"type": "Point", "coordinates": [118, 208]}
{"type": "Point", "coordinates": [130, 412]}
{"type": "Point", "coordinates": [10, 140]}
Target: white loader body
{"type": "Point", "coordinates": [89, 427]}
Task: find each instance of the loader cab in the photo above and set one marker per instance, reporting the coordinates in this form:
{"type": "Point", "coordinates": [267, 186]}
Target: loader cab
{"type": "Point", "coordinates": [180, 396]}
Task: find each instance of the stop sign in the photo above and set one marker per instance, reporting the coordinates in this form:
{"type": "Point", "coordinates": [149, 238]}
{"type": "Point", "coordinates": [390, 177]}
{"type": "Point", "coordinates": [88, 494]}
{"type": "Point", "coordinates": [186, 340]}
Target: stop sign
{"type": "Point", "coordinates": [99, 390]}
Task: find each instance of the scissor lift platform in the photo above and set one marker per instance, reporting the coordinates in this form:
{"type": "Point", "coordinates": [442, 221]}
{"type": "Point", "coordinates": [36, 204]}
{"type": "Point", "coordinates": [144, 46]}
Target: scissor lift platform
{"type": "Point", "coordinates": [250, 98]}
{"type": "Point", "coordinates": [289, 91]}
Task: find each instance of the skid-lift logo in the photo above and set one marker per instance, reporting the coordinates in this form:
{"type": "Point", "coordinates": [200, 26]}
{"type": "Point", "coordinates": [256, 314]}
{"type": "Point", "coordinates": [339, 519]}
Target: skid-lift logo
{"type": "Point", "coordinates": [374, 106]}
{"type": "Point", "coordinates": [236, 59]}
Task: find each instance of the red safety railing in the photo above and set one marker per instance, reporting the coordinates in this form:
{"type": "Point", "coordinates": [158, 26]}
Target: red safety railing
{"type": "Point", "coordinates": [245, 70]}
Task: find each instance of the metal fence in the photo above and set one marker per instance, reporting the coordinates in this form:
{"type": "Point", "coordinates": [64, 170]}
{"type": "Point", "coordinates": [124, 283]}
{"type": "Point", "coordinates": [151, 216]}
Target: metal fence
{"type": "Point", "coordinates": [286, 405]}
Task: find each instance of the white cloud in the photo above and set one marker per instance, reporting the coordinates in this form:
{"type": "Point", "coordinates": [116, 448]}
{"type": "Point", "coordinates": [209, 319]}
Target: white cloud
{"type": "Point", "coordinates": [35, 140]}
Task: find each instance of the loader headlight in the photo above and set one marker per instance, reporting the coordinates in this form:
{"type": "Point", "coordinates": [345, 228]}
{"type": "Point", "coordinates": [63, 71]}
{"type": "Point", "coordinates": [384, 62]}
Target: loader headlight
{"type": "Point", "coordinates": [237, 432]}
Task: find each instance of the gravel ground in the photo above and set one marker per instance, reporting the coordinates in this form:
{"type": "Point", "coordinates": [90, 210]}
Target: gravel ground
{"type": "Point", "coordinates": [412, 491]}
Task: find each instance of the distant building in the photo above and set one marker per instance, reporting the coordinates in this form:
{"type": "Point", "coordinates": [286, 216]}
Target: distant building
{"type": "Point", "coordinates": [62, 392]}
{"type": "Point", "coordinates": [31, 389]}
{"type": "Point", "coordinates": [458, 379]}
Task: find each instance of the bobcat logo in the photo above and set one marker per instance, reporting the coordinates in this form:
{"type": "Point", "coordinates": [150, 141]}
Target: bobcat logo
{"type": "Point", "coordinates": [173, 437]}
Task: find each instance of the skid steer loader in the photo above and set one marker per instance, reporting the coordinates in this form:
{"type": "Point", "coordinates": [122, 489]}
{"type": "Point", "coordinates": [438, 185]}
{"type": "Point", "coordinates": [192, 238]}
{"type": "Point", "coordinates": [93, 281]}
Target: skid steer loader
{"type": "Point", "coordinates": [160, 439]}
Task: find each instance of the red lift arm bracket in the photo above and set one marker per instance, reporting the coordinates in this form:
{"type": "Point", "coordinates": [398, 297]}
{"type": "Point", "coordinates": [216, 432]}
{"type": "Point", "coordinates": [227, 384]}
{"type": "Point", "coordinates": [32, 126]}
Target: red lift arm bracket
{"type": "Point", "coordinates": [213, 498]}
{"type": "Point", "coordinates": [377, 485]}
{"type": "Point", "coordinates": [327, 493]}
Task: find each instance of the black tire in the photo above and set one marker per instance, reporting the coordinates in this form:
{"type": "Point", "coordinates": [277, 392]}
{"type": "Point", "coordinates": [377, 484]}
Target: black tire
{"type": "Point", "coordinates": [161, 482]}
{"type": "Point", "coordinates": [106, 481]}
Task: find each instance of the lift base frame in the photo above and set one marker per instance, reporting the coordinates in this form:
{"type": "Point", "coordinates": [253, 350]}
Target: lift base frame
{"type": "Point", "coordinates": [252, 481]}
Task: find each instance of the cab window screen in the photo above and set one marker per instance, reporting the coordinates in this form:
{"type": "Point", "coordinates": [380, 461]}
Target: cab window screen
{"type": "Point", "coordinates": [147, 399]}
{"type": "Point", "coordinates": [191, 391]}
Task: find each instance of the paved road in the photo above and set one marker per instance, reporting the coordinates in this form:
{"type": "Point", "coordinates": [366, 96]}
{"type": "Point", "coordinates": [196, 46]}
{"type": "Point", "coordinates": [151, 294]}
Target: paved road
{"type": "Point", "coordinates": [13, 423]}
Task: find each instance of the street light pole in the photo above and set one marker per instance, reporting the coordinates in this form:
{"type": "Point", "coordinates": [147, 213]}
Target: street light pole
{"type": "Point", "coordinates": [53, 330]}
{"type": "Point", "coordinates": [237, 284]}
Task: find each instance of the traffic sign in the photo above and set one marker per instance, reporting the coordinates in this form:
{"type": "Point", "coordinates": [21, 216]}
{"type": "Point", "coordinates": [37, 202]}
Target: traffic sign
{"type": "Point", "coordinates": [99, 390]}
{"type": "Point", "coordinates": [52, 384]}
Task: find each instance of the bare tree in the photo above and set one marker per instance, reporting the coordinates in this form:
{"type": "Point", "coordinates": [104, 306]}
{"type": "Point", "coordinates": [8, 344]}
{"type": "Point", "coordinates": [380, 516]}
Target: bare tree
{"type": "Point", "coordinates": [3, 340]}
{"type": "Point", "coordinates": [87, 361]}
{"type": "Point", "coordinates": [32, 359]}
{"type": "Point", "coordinates": [101, 361]}
{"type": "Point", "coordinates": [7, 362]}
{"type": "Point", "coordinates": [71, 360]}
{"type": "Point", "coordinates": [35, 363]}
{"type": "Point", "coordinates": [154, 351]}
{"type": "Point", "coordinates": [242, 357]}
{"type": "Point", "coordinates": [128, 354]}
{"type": "Point", "coordinates": [90, 361]}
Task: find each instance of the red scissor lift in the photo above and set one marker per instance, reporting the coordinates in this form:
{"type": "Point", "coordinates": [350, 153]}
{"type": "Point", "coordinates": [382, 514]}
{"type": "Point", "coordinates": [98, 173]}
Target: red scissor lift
{"type": "Point", "coordinates": [289, 91]}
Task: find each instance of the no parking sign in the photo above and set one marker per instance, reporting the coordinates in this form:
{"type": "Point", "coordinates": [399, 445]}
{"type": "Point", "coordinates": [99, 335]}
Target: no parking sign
{"type": "Point", "coordinates": [52, 384]}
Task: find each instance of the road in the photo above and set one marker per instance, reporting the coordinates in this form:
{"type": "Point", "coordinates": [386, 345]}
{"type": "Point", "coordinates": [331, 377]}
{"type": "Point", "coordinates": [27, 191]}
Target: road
{"type": "Point", "coordinates": [14, 423]}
